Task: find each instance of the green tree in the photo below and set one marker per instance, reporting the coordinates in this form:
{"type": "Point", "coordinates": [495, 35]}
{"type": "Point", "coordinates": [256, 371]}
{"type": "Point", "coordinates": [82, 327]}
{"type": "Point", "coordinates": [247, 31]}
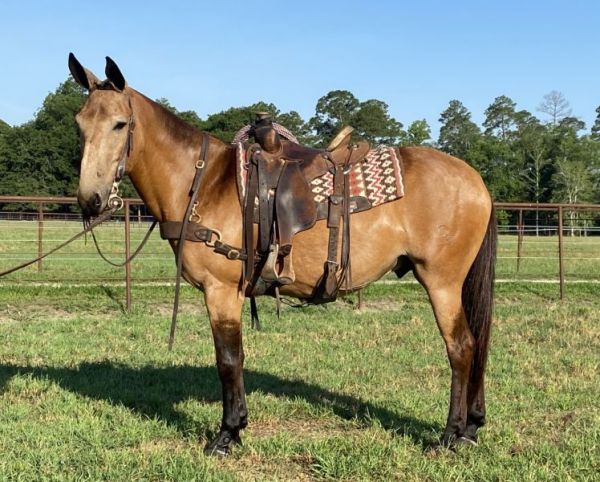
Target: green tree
{"type": "Point", "coordinates": [459, 135]}
{"type": "Point", "coordinates": [225, 124]}
{"type": "Point", "coordinates": [500, 118]}
{"type": "Point", "coordinates": [417, 134]}
{"type": "Point", "coordinates": [370, 119]}
{"type": "Point", "coordinates": [4, 128]}
{"type": "Point", "coordinates": [333, 111]}
{"type": "Point", "coordinates": [531, 145]}
{"type": "Point", "coordinates": [296, 125]}
{"type": "Point", "coordinates": [42, 156]}
{"type": "Point", "coordinates": [373, 123]}
{"type": "Point", "coordinates": [576, 161]}
{"type": "Point", "coordinates": [190, 116]}
{"type": "Point", "coordinates": [4, 131]}
{"type": "Point", "coordinates": [596, 126]}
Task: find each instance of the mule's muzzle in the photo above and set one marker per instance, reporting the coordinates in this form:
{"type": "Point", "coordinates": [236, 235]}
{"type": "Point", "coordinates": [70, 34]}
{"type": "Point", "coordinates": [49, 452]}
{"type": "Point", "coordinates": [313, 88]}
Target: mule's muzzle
{"type": "Point", "coordinates": [93, 205]}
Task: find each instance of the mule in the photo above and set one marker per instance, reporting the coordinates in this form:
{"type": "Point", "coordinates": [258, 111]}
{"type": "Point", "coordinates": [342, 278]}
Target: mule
{"type": "Point", "coordinates": [443, 230]}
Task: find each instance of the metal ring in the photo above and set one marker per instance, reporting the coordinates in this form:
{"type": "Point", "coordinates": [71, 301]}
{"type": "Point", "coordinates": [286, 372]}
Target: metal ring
{"type": "Point", "coordinates": [115, 203]}
{"type": "Point", "coordinates": [200, 163]}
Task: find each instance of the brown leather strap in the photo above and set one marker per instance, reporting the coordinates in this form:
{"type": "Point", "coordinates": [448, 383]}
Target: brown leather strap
{"type": "Point", "coordinates": [128, 147]}
{"type": "Point", "coordinates": [345, 259]}
{"type": "Point", "coordinates": [248, 227]}
{"type": "Point", "coordinates": [200, 164]}
{"type": "Point", "coordinates": [130, 258]}
{"type": "Point", "coordinates": [193, 231]}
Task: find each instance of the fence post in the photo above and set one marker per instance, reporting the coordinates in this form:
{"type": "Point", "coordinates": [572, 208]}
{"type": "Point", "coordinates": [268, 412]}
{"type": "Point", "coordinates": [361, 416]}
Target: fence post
{"type": "Point", "coordinates": [519, 238]}
{"type": "Point", "coordinates": [127, 254]}
{"type": "Point", "coordinates": [561, 272]}
{"type": "Point", "coordinates": [40, 221]}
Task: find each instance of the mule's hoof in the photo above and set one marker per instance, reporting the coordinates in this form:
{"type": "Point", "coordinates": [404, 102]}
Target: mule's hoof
{"type": "Point", "coordinates": [465, 442]}
{"type": "Point", "coordinates": [221, 446]}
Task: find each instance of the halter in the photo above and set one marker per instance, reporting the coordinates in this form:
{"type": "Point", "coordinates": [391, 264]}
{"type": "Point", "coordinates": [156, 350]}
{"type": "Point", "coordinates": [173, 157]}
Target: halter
{"type": "Point", "coordinates": [115, 202]}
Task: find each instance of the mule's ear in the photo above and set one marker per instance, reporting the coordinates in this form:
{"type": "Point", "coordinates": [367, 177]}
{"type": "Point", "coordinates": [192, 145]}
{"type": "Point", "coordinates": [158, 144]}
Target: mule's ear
{"type": "Point", "coordinates": [114, 74]}
{"type": "Point", "coordinates": [81, 75]}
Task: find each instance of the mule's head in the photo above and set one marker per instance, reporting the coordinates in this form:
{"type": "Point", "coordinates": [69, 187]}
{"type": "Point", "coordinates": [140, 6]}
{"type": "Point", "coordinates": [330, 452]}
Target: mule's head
{"type": "Point", "coordinates": [106, 125]}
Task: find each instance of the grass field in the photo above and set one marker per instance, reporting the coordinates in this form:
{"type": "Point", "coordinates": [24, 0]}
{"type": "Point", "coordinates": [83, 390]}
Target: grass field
{"type": "Point", "coordinates": [79, 263]}
{"type": "Point", "coordinates": [89, 392]}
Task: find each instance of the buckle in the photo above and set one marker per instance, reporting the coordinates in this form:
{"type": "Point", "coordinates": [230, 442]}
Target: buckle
{"type": "Point", "coordinates": [209, 242]}
{"type": "Point", "coordinates": [200, 163]}
{"type": "Point", "coordinates": [233, 254]}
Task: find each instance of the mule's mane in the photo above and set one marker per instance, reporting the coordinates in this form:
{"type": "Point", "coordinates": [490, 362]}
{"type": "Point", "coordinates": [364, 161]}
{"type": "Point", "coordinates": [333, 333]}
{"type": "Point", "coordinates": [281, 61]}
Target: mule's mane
{"type": "Point", "coordinates": [175, 127]}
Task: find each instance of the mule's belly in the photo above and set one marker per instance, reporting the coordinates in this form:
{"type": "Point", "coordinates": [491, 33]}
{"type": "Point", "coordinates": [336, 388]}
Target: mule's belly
{"type": "Point", "coordinates": [377, 239]}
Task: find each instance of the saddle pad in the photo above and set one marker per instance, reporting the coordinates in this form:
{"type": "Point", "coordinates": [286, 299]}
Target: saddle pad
{"type": "Point", "coordinates": [378, 179]}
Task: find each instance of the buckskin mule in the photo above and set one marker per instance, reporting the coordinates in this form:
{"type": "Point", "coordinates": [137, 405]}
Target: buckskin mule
{"type": "Point", "coordinates": [443, 230]}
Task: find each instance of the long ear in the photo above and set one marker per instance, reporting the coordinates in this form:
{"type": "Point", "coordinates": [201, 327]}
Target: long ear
{"type": "Point", "coordinates": [82, 75]}
{"type": "Point", "coordinates": [114, 74]}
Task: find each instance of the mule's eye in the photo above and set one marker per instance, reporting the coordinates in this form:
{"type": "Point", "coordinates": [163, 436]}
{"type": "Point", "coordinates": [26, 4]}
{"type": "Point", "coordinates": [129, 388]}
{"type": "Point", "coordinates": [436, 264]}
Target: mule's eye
{"type": "Point", "coordinates": [119, 125]}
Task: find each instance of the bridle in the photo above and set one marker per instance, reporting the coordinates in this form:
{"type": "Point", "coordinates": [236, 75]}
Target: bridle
{"type": "Point", "coordinates": [115, 202]}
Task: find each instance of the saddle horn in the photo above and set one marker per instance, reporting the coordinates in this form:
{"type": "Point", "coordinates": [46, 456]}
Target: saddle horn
{"type": "Point", "coordinates": [265, 134]}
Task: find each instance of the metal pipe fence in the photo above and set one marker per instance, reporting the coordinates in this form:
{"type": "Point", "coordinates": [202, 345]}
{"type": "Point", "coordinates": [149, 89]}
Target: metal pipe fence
{"type": "Point", "coordinates": [538, 243]}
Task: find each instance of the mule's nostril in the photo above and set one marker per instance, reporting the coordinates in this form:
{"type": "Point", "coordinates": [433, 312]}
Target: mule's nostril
{"type": "Point", "coordinates": [96, 201]}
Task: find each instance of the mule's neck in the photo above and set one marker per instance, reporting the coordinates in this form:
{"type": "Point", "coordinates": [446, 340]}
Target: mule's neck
{"type": "Point", "coordinates": [162, 163]}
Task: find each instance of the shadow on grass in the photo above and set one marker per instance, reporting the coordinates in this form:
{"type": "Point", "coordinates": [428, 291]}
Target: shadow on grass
{"type": "Point", "coordinates": [154, 392]}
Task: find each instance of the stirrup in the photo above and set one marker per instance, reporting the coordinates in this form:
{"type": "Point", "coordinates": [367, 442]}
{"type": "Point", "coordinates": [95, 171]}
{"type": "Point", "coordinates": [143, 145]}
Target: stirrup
{"type": "Point", "coordinates": [269, 272]}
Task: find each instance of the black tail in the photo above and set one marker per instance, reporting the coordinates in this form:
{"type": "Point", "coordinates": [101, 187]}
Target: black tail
{"type": "Point", "coordinates": [478, 298]}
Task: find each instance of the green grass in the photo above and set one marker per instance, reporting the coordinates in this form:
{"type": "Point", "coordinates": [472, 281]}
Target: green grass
{"type": "Point", "coordinates": [79, 263]}
{"type": "Point", "coordinates": [90, 392]}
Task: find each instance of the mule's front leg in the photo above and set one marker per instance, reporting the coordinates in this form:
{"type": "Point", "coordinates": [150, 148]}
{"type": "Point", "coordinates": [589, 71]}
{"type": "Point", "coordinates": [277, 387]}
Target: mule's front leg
{"type": "Point", "coordinates": [224, 309]}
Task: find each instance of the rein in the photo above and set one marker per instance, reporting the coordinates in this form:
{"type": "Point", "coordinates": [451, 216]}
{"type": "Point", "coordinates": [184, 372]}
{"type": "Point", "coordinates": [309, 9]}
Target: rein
{"type": "Point", "coordinates": [130, 258]}
{"type": "Point", "coordinates": [87, 228]}
{"type": "Point", "coordinates": [189, 216]}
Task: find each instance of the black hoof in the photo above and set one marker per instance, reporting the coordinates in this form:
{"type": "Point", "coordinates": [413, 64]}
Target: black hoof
{"type": "Point", "coordinates": [221, 446]}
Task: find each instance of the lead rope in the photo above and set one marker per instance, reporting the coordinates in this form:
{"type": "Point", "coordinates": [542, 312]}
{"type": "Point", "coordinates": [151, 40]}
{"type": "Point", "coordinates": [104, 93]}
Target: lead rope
{"type": "Point", "coordinates": [88, 226]}
{"type": "Point", "coordinates": [131, 257]}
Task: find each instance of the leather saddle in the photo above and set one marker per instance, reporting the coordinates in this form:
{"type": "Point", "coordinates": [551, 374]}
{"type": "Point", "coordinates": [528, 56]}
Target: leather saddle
{"type": "Point", "coordinates": [279, 199]}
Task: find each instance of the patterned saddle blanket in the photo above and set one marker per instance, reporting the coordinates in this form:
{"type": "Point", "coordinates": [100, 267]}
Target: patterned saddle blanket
{"type": "Point", "coordinates": [376, 180]}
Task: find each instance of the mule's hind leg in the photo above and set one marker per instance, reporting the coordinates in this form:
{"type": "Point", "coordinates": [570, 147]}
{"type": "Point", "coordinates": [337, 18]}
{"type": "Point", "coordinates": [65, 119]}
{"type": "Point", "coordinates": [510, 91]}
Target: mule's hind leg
{"type": "Point", "coordinates": [224, 305]}
{"type": "Point", "coordinates": [452, 323]}
{"type": "Point", "coordinates": [475, 408]}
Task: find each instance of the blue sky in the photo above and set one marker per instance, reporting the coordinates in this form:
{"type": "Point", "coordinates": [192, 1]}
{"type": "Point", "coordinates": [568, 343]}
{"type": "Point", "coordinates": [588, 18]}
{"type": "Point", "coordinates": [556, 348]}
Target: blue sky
{"type": "Point", "coordinates": [208, 56]}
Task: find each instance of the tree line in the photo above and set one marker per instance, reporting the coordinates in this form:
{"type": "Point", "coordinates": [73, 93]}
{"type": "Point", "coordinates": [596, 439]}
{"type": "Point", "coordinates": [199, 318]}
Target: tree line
{"type": "Point", "coordinates": [550, 157]}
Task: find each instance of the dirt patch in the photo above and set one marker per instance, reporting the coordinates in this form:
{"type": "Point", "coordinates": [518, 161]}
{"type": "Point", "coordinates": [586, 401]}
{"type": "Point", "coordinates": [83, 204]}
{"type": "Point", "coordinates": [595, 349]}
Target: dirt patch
{"type": "Point", "coordinates": [166, 310]}
{"type": "Point", "coordinates": [31, 313]}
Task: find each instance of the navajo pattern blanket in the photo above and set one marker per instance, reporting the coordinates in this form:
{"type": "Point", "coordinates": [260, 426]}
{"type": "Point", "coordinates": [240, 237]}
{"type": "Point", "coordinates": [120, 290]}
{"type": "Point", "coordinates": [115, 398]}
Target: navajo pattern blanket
{"type": "Point", "coordinates": [377, 180]}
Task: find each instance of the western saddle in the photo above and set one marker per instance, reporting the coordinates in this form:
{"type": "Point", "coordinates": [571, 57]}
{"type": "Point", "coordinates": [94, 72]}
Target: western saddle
{"type": "Point", "coordinates": [280, 201]}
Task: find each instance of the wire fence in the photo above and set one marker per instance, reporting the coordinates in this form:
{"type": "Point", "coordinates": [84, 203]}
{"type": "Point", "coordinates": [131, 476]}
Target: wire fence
{"type": "Point", "coordinates": [537, 243]}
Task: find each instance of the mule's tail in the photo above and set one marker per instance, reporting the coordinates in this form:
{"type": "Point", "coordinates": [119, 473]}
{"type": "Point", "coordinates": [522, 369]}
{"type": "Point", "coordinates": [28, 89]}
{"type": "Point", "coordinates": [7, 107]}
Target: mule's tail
{"type": "Point", "coordinates": [478, 299]}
